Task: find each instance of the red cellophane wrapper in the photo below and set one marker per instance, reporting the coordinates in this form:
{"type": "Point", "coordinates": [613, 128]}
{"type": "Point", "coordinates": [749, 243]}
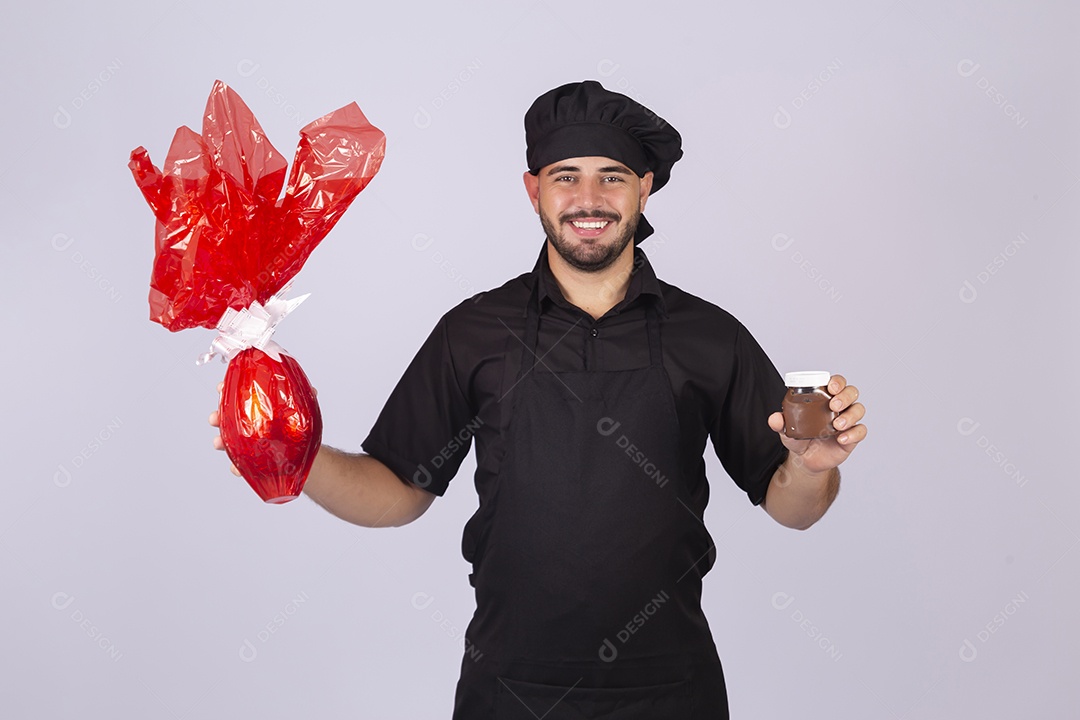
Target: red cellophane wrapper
{"type": "Point", "coordinates": [224, 239]}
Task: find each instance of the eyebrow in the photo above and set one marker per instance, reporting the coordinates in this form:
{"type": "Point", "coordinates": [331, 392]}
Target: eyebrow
{"type": "Point", "coordinates": [619, 169]}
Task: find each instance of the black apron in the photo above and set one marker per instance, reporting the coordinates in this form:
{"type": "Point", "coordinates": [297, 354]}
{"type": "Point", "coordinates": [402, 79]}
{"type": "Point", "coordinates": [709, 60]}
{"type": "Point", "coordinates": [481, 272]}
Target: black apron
{"type": "Point", "coordinates": [589, 561]}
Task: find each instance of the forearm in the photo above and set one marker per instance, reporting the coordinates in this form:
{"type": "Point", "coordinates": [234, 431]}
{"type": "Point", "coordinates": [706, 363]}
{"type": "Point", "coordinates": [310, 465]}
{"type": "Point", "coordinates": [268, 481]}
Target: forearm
{"type": "Point", "coordinates": [797, 497]}
{"type": "Point", "coordinates": [361, 490]}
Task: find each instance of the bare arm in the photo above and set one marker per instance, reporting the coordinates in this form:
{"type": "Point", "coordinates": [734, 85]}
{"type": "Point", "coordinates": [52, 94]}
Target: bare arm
{"type": "Point", "coordinates": [360, 489]}
{"type": "Point", "coordinates": [806, 483]}
{"type": "Point", "coordinates": [797, 497]}
{"type": "Point", "coordinates": [357, 488]}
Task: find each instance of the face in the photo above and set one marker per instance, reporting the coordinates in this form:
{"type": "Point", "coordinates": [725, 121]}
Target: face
{"type": "Point", "coordinates": [589, 207]}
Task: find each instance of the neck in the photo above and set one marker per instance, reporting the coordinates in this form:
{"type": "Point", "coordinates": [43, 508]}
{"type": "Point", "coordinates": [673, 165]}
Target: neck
{"type": "Point", "coordinates": [593, 292]}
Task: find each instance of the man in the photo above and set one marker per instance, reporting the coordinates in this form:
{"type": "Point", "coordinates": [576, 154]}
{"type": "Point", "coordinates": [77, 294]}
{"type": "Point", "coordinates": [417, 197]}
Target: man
{"type": "Point", "coordinates": [590, 387]}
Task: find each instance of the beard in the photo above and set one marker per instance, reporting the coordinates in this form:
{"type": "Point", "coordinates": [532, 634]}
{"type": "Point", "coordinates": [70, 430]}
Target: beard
{"type": "Point", "coordinates": [589, 256]}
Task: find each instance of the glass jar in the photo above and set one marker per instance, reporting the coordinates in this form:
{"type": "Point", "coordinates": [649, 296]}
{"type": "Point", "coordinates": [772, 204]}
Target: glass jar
{"type": "Point", "coordinates": [806, 406]}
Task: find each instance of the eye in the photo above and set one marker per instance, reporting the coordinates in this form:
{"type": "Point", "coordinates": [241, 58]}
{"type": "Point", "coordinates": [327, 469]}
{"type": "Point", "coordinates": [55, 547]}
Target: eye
{"type": "Point", "coordinates": [613, 178]}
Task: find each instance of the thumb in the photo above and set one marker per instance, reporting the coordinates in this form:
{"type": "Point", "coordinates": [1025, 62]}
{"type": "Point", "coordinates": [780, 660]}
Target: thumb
{"type": "Point", "coordinates": [776, 422]}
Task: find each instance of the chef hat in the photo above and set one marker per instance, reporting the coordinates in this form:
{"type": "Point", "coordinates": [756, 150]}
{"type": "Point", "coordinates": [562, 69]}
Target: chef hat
{"type": "Point", "coordinates": [585, 119]}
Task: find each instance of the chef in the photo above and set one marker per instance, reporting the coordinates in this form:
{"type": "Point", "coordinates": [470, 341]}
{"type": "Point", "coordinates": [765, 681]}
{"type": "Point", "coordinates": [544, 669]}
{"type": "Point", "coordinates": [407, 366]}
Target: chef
{"type": "Point", "coordinates": [590, 388]}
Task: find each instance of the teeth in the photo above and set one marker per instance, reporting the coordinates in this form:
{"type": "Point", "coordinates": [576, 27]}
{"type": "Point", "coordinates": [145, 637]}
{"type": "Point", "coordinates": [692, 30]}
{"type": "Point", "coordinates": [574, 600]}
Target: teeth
{"type": "Point", "coordinates": [593, 225]}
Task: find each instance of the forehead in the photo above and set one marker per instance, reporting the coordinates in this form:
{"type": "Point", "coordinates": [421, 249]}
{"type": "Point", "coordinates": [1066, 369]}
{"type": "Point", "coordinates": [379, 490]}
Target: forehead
{"type": "Point", "coordinates": [592, 163]}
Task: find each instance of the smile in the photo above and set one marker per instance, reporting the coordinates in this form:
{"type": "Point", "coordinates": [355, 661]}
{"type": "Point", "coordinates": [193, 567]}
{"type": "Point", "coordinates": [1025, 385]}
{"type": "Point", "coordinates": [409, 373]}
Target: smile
{"type": "Point", "coordinates": [590, 224]}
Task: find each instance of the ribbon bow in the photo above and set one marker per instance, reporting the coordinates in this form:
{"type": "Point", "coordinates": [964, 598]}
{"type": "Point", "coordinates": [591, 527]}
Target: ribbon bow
{"type": "Point", "coordinates": [252, 327]}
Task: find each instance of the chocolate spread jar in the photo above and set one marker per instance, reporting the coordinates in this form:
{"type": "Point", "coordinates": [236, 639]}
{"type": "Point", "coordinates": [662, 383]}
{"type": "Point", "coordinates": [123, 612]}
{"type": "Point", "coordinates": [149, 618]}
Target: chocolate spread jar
{"type": "Point", "coordinates": [806, 406]}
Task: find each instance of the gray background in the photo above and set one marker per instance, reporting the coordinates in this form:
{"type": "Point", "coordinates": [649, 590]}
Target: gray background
{"type": "Point", "coordinates": [883, 189]}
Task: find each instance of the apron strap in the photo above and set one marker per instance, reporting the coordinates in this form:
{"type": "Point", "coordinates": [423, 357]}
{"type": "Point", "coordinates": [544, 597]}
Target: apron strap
{"type": "Point", "coordinates": [532, 332]}
{"type": "Point", "coordinates": [652, 320]}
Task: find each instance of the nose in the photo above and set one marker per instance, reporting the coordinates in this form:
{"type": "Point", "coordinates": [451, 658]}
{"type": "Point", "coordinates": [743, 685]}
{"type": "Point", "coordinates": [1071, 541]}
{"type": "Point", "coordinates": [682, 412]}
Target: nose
{"type": "Point", "coordinates": [590, 195]}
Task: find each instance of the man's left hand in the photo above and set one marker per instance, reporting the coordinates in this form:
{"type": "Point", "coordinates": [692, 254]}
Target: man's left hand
{"type": "Point", "coordinates": [821, 454]}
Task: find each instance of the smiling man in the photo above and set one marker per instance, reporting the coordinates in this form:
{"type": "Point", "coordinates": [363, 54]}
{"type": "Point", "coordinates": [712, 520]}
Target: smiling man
{"type": "Point", "coordinates": [591, 388]}
{"type": "Point", "coordinates": [596, 201]}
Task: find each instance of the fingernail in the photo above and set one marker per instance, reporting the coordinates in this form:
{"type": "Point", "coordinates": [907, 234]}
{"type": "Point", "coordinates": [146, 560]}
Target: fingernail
{"type": "Point", "coordinates": [842, 439]}
{"type": "Point", "coordinates": [840, 423]}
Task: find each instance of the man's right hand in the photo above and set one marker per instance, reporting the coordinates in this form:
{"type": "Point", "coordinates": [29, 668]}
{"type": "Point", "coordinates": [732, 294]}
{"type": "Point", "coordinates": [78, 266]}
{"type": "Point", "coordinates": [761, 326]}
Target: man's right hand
{"type": "Point", "coordinates": [356, 488]}
{"type": "Point", "coordinates": [215, 421]}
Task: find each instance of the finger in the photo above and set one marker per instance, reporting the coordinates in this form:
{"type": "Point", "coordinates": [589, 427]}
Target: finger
{"type": "Point", "coordinates": [214, 419]}
{"type": "Point", "coordinates": [234, 471]}
{"type": "Point", "coordinates": [221, 387]}
{"type": "Point", "coordinates": [850, 438]}
{"type": "Point", "coordinates": [836, 384]}
{"type": "Point", "coordinates": [315, 391]}
{"type": "Point", "coordinates": [218, 443]}
{"type": "Point", "coordinates": [850, 416]}
{"type": "Point", "coordinates": [776, 421]}
{"type": "Point", "coordinates": [844, 398]}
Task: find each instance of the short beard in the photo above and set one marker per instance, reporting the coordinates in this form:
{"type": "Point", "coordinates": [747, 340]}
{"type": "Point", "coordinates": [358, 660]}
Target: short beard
{"type": "Point", "coordinates": [589, 258]}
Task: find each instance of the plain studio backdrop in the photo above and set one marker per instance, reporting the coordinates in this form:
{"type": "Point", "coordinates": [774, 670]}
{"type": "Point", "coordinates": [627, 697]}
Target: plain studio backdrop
{"type": "Point", "coordinates": [883, 189]}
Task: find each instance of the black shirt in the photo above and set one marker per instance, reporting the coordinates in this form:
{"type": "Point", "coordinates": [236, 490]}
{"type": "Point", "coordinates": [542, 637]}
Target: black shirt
{"type": "Point", "coordinates": [459, 384]}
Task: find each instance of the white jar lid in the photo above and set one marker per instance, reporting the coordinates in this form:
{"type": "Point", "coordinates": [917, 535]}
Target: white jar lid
{"type": "Point", "coordinates": [807, 378]}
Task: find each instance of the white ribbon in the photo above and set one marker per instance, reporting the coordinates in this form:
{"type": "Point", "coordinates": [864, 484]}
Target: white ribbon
{"type": "Point", "coordinates": [252, 327]}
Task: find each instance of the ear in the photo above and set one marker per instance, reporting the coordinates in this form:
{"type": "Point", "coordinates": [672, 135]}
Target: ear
{"type": "Point", "coordinates": [532, 186]}
{"type": "Point", "coordinates": [646, 188]}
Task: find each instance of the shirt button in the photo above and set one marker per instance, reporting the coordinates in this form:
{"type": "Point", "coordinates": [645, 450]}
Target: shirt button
{"type": "Point", "coordinates": [594, 332]}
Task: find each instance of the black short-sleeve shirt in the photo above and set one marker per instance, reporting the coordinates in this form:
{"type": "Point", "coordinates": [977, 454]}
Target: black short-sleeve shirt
{"type": "Point", "coordinates": [459, 385]}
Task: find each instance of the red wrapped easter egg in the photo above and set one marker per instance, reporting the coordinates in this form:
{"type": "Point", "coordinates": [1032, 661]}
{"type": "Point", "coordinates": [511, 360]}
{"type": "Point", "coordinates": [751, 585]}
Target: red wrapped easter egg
{"type": "Point", "coordinates": [270, 422]}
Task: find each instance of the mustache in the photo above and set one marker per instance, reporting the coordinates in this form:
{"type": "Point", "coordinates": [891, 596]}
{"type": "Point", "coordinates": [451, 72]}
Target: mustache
{"type": "Point", "coordinates": [586, 215]}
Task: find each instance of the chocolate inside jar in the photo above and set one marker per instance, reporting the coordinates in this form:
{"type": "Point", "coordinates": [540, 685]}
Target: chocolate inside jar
{"type": "Point", "coordinates": [807, 415]}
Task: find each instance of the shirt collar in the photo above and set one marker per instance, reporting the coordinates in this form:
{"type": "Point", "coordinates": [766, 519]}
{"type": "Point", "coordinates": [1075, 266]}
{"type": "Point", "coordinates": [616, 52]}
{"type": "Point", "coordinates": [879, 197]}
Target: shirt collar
{"type": "Point", "coordinates": [642, 282]}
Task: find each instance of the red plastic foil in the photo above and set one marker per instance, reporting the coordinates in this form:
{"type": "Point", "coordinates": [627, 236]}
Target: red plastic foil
{"type": "Point", "coordinates": [223, 237]}
{"type": "Point", "coordinates": [270, 423]}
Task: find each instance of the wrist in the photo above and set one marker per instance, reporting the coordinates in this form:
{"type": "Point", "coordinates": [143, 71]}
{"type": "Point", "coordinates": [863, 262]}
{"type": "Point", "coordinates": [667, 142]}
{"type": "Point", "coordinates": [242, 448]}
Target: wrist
{"type": "Point", "coordinates": [795, 465]}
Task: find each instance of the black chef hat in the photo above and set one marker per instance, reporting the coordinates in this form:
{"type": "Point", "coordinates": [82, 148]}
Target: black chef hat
{"type": "Point", "coordinates": [585, 119]}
